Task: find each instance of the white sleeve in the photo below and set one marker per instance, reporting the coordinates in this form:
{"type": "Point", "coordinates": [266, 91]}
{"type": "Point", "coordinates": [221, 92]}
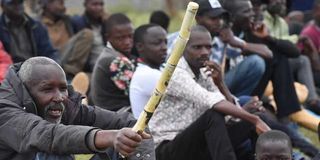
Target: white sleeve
{"type": "Point", "coordinates": [141, 89]}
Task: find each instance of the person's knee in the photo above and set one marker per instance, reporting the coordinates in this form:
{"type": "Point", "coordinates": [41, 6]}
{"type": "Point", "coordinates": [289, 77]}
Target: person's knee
{"type": "Point", "coordinates": [304, 60]}
{"type": "Point", "coordinates": [256, 64]}
{"type": "Point", "coordinates": [213, 117]}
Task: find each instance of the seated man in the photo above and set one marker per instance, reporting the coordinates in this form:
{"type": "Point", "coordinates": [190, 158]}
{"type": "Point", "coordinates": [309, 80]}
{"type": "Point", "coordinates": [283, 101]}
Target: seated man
{"type": "Point", "coordinates": [41, 115]}
{"type": "Point", "coordinates": [150, 43]}
{"type": "Point", "coordinates": [274, 145]}
{"type": "Point", "coordinates": [312, 31]}
{"type": "Point", "coordinates": [74, 48]}
{"type": "Point", "coordinates": [93, 18]}
{"type": "Point", "coordinates": [114, 68]}
{"type": "Point", "coordinates": [22, 36]}
{"type": "Point", "coordinates": [300, 66]}
{"type": "Point", "coordinates": [277, 68]}
{"type": "Point", "coordinates": [189, 122]}
{"type": "Point", "coordinates": [244, 70]}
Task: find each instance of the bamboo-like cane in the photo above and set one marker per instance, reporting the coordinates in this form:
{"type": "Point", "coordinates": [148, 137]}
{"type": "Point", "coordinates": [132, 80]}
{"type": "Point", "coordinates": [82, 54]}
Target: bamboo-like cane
{"type": "Point", "coordinates": [162, 84]}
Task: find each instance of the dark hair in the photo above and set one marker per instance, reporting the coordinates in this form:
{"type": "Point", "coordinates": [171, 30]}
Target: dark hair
{"type": "Point", "coordinates": [141, 31]}
{"type": "Point", "coordinates": [232, 6]}
{"type": "Point", "coordinates": [256, 2]}
{"type": "Point", "coordinates": [160, 18]}
{"type": "Point", "coordinates": [113, 20]}
{"type": "Point", "coordinates": [199, 28]}
{"type": "Point", "coordinates": [273, 135]}
{"type": "Point", "coordinates": [139, 35]}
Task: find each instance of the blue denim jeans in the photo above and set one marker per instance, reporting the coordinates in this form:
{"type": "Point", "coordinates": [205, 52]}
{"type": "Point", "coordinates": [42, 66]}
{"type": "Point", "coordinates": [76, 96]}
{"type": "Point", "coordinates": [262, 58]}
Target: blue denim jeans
{"type": "Point", "coordinates": [242, 79]}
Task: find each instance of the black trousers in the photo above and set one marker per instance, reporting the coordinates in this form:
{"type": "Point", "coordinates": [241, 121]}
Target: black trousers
{"type": "Point", "coordinates": [205, 139]}
{"type": "Point", "coordinates": [278, 71]}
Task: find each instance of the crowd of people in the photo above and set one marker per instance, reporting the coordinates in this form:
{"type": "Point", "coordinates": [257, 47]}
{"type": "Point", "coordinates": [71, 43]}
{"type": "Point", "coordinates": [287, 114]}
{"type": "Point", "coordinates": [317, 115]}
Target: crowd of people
{"type": "Point", "coordinates": [217, 105]}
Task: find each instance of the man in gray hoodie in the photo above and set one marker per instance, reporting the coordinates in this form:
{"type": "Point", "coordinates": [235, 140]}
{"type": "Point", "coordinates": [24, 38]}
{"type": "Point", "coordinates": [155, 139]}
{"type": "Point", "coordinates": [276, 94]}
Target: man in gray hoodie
{"type": "Point", "coordinates": [40, 114]}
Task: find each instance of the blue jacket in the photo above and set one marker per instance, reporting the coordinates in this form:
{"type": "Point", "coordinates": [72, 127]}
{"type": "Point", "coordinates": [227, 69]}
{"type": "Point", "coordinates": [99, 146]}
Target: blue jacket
{"type": "Point", "coordinates": [41, 45]}
{"type": "Point", "coordinates": [80, 22]}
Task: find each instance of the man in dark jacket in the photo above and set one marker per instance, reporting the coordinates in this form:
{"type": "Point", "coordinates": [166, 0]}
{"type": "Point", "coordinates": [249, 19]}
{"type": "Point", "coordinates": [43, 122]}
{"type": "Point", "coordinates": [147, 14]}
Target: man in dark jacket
{"type": "Point", "coordinates": [115, 65]}
{"type": "Point", "coordinates": [22, 36]}
{"type": "Point", "coordinates": [39, 114]}
{"type": "Point", "coordinates": [92, 18]}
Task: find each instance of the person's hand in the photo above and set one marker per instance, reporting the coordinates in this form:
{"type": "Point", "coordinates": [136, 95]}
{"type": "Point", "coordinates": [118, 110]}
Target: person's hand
{"type": "Point", "coordinates": [261, 127]}
{"type": "Point", "coordinates": [226, 35]}
{"type": "Point", "coordinates": [260, 30]}
{"type": "Point", "coordinates": [260, 49]}
{"type": "Point", "coordinates": [310, 50]}
{"type": "Point", "coordinates": [124, 140]}
{"type": "Point", "coordinates": [308, 45]}
{"type": "Point", "coordinates": [127, 140]}
{"type": "Point", "coordinates": [254, 105]}
{"type": "Point", "coordinates": [216, 72]}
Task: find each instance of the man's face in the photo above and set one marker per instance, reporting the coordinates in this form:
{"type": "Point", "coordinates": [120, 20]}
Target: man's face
{"type": "Point", "coordinates": [121, 38]}
{"type": "Point", "coordinates": [154, 46]}
{"type": "Point", "coordinates": [94, 8]}
{"type": "Point", "coordinates": [213, 24]}
{"type": "Point", "coordinates": [49, 91]}
{"type": "Point", "coordinates": [13, 9]}
{"type": "Point", "coordinates": [56, 8]}
{"type": "Point", "coordinates": [274, 150]}
{"type": "Point", "coordinates": [277, 7]}
{"type": "Point", "coordinates": [244, 16]}
{"type": "Point", "coordinates": [198, 49]}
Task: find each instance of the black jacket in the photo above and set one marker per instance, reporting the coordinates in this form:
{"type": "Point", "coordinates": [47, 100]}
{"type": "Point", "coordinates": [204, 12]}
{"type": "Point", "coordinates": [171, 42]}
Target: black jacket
{"type": "Point", "coordinates": [23, 133]}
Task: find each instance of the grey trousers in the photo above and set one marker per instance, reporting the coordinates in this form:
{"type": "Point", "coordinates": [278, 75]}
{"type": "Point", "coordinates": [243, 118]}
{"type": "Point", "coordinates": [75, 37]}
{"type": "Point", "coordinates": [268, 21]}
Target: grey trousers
{"type": "Point", "coordinates": [302, 72]}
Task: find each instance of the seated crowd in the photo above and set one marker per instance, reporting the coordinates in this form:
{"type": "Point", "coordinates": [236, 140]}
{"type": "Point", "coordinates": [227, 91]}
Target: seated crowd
{"type": "Point", "coordinates": [235, 93]}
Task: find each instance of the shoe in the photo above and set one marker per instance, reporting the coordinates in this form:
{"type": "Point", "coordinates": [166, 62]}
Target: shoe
{"type": "Point", "coordinates": [314, 106]}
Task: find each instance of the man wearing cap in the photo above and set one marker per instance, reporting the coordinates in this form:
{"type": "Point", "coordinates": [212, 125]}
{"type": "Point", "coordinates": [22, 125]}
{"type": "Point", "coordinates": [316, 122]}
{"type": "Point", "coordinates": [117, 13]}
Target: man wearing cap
{"type": "Point", "coordinates": [22, 36]}
{"type": "Point", "coordinates": [245, 70]}
{"type": "Point", "coordinates": [189, 121]}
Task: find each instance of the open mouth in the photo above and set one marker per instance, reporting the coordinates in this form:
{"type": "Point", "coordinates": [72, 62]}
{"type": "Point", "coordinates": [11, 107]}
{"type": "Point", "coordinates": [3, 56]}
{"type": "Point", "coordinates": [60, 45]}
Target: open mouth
{"type": "Point", "coordinates": [55, 113]}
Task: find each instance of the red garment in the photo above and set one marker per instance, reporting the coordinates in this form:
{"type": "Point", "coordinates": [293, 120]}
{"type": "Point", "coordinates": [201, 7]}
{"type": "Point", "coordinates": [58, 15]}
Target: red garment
{"type": "Point", "coordinates": [5, 62]}
{"type": "Point", "coordinates": [313, 32]}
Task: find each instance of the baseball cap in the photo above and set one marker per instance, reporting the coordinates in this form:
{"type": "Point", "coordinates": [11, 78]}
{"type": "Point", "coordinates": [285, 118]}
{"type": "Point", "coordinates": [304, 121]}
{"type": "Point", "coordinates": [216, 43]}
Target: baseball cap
{"type": "Point", "coordinates": [211, 8]}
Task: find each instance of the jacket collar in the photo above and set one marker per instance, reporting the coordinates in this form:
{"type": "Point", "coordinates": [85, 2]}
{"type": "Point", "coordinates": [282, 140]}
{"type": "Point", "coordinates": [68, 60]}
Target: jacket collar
{"type": "Point", "coordinates": [14, 90]}
{"type": "Point", "coordinates": [183, 64]}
